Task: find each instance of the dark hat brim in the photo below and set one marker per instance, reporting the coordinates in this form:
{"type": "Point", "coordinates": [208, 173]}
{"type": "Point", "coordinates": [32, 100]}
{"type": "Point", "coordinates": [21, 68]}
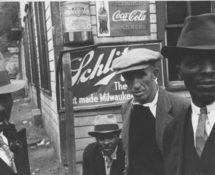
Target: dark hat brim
{"type": "Point", "coordinates": [102, 133]}
{"type": "Point", "coordinates": [172, 52]}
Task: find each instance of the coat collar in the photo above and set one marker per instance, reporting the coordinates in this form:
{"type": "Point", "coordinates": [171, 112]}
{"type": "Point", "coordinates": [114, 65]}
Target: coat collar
{"type": "Point", "coordinates": [163, 116]}
{"type": "Point", "coordinates": [181, 122]}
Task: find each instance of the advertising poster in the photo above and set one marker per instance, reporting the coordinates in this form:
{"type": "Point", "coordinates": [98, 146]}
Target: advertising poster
{"type": "Point", "coordinates": [103, 21]}
{"type": "Point", "coordinates": [123, 18]}
{"type": "Point", "coordinates": [93, 80]}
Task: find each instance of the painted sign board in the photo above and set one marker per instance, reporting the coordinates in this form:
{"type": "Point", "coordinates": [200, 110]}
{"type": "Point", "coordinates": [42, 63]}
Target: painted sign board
{"type": "Point", "coordinates": [93, 80]}
{"type": "Point", "coordinates": [123, 18]}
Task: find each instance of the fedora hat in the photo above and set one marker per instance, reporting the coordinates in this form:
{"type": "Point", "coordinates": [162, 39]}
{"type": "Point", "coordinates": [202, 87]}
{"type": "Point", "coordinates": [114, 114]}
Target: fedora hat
{"type": "Point", "coordinates": [8, 86]}
{"type": "Point", "coordinates": [198, 34]}
{"type": "Point", "coordinates": [105, 124]}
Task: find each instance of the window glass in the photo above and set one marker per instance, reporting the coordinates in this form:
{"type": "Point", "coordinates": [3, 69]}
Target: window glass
{"type": "Point", "coordinates": [172, 35]}
{"type": "Point", "coordinates": [176, 12]}
{"type": "Point", "coordinates": [199, 7]}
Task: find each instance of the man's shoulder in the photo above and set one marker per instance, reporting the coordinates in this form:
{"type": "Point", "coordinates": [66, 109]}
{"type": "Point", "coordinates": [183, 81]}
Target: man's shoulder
{"type": "Point", "coordinates": [175, 98]}
{"type": "Point", "coordinates": [91, 146]}
{"type": "Point", "coordinates": [126, 104]}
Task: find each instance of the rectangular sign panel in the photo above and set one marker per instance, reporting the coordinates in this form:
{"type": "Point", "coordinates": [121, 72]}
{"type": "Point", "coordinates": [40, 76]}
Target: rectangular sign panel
{"type": "Point", "coordinates": [93, 80]}
{"type": "Point", "coordinates": [123, 18]}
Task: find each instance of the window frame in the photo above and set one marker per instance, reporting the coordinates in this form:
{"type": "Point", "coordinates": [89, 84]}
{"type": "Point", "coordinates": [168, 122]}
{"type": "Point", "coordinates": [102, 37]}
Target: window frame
{"type": "Point", "coordinates": [45, 81]}
{"type": "Point", "coordinates": [161, 7]}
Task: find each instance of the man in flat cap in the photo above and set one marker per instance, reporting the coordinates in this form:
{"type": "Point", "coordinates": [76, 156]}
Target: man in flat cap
{"type": "Point", "coordinates": [145, 115]}
{"type": "Point", "coordinates": [13, 144]}
{"type": "Point", "coordinates": [189, 140]}
{"type": "Point", "coordinates": [106, 155]}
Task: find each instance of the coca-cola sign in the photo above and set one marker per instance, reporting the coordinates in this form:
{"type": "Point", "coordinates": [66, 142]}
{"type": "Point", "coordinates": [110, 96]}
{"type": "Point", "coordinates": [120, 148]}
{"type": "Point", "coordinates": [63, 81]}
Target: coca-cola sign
{"type": "Point", "coordinates": [93, 80]}
{"type": "Point", "coordinates": [135, 15]}
{"type": "Point", "coordinates": [129, 18]}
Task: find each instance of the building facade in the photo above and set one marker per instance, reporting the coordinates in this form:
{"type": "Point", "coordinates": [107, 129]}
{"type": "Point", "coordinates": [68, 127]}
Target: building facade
{"type": "Point", "coordinates": [91, 34]}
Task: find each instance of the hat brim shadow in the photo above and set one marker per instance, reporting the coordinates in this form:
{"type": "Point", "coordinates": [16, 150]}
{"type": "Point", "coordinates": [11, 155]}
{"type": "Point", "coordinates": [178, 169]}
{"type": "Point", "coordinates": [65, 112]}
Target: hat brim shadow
{"type": "Point", "coordinates": [103, 133]}
{"type": "Point", "coordinates": [172, 52]}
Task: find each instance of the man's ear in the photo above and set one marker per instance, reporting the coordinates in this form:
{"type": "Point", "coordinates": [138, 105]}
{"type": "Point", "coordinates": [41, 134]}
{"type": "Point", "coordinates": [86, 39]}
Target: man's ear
{"type": "Point", "coordinates": [156, 72]}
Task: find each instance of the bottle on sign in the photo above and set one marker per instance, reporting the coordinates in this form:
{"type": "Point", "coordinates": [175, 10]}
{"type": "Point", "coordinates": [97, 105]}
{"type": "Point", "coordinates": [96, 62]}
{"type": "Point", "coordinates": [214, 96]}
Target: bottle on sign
{"type": "Point", "coordinates": [103, 18]}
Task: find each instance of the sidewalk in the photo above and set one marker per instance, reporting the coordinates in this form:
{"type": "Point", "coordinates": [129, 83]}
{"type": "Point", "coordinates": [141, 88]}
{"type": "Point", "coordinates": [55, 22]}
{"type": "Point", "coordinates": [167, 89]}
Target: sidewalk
{"type": "Point", "coordinates": [42, 157]}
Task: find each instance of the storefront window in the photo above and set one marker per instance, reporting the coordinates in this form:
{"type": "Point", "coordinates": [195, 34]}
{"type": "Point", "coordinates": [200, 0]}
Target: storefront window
{"type": "Point", "coordinates": [176, 12]}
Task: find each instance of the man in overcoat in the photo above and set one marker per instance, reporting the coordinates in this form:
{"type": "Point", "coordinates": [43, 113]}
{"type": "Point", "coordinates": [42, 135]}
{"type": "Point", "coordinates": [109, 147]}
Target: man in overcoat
{"type": "Point", "coordinates": [13, 144]}
{"type": "Point", "coordinates": [189, 140]}
{"type": "Point", "coordinates": [106, 155]}
{"type": "Point", "coordinates": [146, 115]}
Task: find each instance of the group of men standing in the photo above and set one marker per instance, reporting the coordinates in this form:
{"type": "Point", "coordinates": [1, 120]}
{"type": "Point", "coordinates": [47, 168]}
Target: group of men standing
{"type": "Point", "coordinates": [162, 133]}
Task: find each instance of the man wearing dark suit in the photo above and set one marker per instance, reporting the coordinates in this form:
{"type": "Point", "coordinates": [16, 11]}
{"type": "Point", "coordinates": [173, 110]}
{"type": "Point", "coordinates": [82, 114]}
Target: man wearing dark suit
{"type": "Point", "coordinates": [189, 140]}
{"type": "Point", "coordinates": [13, 144]}
{"type": "Point", "coordinates": [106, 155]}
{"type": "Point", "coordinates": [145, 115]}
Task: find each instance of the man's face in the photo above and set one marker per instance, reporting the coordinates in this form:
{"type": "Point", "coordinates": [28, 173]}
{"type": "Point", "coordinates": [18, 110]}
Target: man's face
{"type": "Point", "coordinates": [6, 103]}
{"type": "Point", "coordinates": [142, 84]}
{"type": "Point", "coordinates": [198, 72]}
{"type": "Point", "coordinates": [108, 143]}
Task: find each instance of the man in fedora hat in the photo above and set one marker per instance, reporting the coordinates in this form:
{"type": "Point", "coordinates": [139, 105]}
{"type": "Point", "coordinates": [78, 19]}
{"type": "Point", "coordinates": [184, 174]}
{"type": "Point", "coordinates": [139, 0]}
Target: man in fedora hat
{"type": "Point", "coordinates": [13, 145]}
{"type": "Point", "coordinates": [106, 155]}
{"type": "Point", "coordinates": [145, 115]}
{"type": "Point", "coordinates": [189, 140]}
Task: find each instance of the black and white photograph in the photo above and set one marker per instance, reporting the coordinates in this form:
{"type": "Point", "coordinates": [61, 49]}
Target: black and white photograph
{"type": "Point", "coordinates": [107, 87]}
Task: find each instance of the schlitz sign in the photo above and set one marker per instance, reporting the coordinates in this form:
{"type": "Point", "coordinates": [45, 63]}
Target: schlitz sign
{"type": "Point", "coordinates": [92, 78]}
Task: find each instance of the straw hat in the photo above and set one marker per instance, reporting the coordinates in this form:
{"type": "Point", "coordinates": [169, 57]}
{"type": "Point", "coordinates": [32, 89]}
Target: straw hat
{"type": "Point", "coordinates": [6, 85]}
{"type": "Point", "coordinates": [105, 124]}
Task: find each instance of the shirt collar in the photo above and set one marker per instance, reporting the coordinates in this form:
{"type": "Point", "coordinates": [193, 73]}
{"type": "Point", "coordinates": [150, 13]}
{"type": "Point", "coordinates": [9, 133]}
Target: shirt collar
{"type": "Point", "coordinates": [151, 104]}
{"type": "Point", "coordinates": [113, 155]}
{"type": "Point", "coordinates": [196, 109]}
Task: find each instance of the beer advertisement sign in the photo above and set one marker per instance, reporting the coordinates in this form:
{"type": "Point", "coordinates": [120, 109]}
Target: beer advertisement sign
{"type": "Point", "coordinates": [123, 18]}
{"type": "Point", "coordinates": [93, 80]}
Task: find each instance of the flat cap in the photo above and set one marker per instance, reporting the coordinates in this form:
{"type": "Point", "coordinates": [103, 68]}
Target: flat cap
{"type": "Point", "coordinates": [135, 59]}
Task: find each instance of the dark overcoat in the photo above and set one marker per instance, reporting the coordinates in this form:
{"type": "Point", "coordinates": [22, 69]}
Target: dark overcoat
{"type": "Point", "coordinates": [20, 152]}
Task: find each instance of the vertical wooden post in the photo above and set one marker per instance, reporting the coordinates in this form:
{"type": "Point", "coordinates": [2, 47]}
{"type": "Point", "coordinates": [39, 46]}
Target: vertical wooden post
{"type": "Point", "coordinates": [70, 131]}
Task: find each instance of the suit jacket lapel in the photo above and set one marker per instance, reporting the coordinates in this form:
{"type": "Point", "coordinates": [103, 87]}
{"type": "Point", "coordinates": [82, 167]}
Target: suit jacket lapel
{"type": "Point", "coordinates": [180, 133]}
{"type": "Point", "coordinates": [125, 131]}
{"type": "Point", "coordinates": [5, 169]}
{"type": "Point", "coordinates": [163, 116]}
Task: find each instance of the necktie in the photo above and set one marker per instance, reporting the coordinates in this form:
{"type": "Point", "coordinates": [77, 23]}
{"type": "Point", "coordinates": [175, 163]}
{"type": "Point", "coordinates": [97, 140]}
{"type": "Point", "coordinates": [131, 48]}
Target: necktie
{"type": "Point", "coordinates": [9, 153]}
{"type": "Point", "coordinates": [201, 134]}
{"type": "Point", "coordinates": [109, 162]}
